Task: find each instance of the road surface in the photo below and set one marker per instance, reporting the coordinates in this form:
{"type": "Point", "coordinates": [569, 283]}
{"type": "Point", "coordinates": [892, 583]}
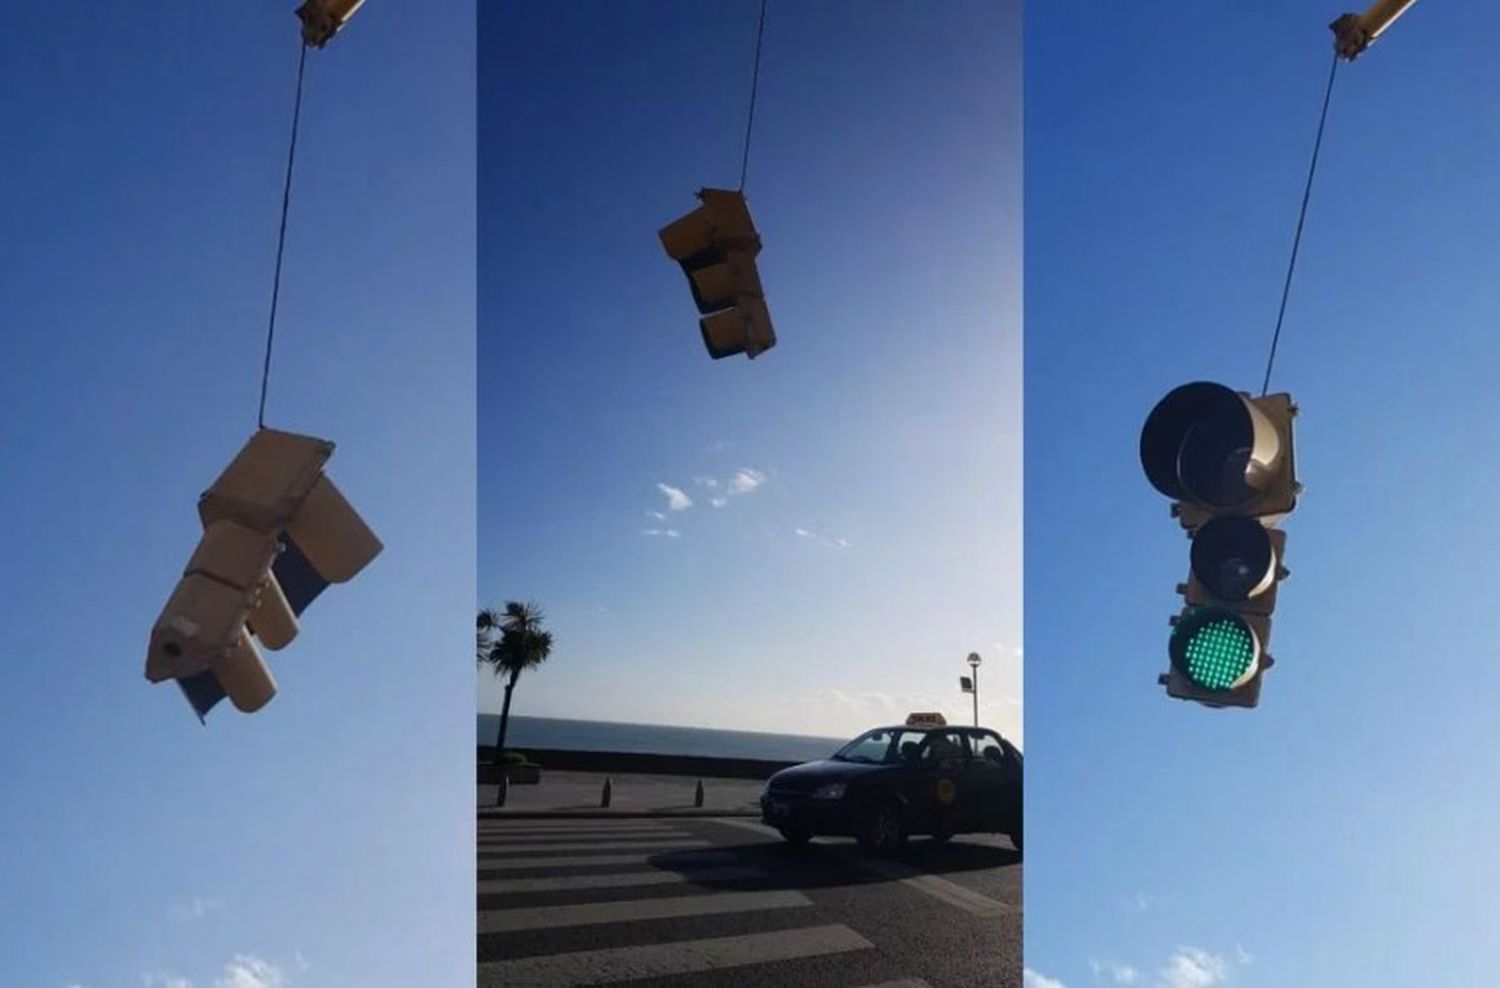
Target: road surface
{"type": "Point", "coordinates": [671, 903]}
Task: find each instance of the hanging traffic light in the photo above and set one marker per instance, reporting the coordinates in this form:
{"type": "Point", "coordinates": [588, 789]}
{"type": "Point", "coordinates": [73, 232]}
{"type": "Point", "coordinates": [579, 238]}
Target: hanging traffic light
{"type": "Point", "coordinates": [716, 244]}
{"type": "Point", "coordinates": [1227, 462]}
{"type": "Point", "coordinates": [276, 533]}
{"type": "Point", "coordinates": [322, 19]}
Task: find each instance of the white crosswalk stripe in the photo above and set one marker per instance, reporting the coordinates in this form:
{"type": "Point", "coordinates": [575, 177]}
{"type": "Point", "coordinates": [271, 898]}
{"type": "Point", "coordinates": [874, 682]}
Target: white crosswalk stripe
{"type": "Point", "coordinates": [522, 826]}
{"type": "Point", "coordinates": [540, 838]}
{"type": "Point", "coordinates": [611, 845]}
{"type": "Point", "coordinates": [660, 858]}
{"type": "Point", "coordinates": [942, 889]}
{"type": "Point", "coordinates": [616, 880]}
{"type": "Point", "coordinates": [629, 911]}
{"type": "Point", "coordinates": [616, 964]}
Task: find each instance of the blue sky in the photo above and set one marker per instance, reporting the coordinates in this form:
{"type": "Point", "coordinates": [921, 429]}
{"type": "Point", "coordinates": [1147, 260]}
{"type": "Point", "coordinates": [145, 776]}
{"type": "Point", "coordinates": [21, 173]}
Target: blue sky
{"type": "Point", "coordinates": [874, 539]}
{"type": "Point", "coordinates": [327, 839]}
{"type": "Point", "coordinates": [1341, 833]}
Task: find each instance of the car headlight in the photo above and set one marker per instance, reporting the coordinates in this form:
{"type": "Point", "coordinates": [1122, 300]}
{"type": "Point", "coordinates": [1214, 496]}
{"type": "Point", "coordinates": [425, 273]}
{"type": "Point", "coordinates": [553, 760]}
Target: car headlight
{"type": "Point", "coordinates": [831, 790]}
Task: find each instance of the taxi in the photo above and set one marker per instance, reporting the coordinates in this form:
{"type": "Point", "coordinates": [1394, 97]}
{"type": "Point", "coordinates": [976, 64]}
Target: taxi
{"type": "Point", "coordinates": [924, 777]}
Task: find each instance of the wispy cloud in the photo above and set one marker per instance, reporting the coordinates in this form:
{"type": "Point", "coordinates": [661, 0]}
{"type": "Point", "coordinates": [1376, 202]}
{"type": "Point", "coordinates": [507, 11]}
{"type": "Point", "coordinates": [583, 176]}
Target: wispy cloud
{"type": "Point", "coordinates": [810, 535]}
{"type": "Point", "coordinates": [1193, 967]}
{"type": "Point", "coordinates": [1032, 979]}
{"type": "Point", "coordinates": [164, 979]}
{"type": "Point", "coordinates": [302, 964]}
{"type": "Point", "coordinates": [710, 482]}
{"type": "Point", "coordinates": [677, 499]}
{"type": "Point", "coordinates": [662, 533]}
{"type": "Point", "coordinates": [241, 971]}
{"type": "Point", "coordinates": [745, 481]}
{"type": "Point", "coordinates": [195, 908]}
{"type": "Point", "coordinates": [1120, 974]}
{"type": "Point", "coordinates": [249, 971]}
{"type": "Point", "coordinates": [718, 502]}
{"type": "Point", "coordinates": [658, 515]}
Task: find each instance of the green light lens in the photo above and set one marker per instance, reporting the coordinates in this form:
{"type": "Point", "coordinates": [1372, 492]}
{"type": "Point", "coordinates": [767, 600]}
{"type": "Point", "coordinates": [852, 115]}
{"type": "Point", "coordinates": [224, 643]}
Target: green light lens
{"type": "Point", "coordinates": [1218, 652]}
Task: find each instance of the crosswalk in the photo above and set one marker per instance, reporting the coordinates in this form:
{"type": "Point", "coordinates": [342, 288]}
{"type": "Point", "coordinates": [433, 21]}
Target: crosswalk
{"type": "Point", "coordinates": [608, 901]}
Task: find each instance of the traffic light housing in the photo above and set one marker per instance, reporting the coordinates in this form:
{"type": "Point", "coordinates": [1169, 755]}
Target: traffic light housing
{"type": "Point", "coordinates": [276, 533]}
{"type": "Point", "coordinates": [322, 19]}
{"type": "Point", "coordinates": [716, 245]}
{"type": "Point", "coordinates": [1227, 461]}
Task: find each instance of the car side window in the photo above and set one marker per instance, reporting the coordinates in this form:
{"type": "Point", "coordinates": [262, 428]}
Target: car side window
{"type": "Point", "coordinates": [987, 747]}
{"type": "Point", "coordinates": [945, 746]}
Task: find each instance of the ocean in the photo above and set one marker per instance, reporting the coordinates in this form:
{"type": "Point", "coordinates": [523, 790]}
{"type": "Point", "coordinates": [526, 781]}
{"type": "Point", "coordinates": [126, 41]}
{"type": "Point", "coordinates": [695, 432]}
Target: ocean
{"type": "Point", "coordinates": [593, 735]}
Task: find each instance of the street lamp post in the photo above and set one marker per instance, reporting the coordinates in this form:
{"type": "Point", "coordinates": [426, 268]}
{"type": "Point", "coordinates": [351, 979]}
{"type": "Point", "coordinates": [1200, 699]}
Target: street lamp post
{"type": "Point", "coordinates": [974, 665]}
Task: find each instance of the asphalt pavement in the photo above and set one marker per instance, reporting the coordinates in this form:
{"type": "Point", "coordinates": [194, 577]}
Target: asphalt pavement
{"type": "Point", "coordinates": [671, 902]}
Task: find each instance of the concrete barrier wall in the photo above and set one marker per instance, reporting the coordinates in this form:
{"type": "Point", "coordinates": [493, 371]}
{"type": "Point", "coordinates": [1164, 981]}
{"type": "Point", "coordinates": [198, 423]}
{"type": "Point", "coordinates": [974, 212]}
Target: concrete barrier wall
{"type": "Point", "coordinates": [645, 764]}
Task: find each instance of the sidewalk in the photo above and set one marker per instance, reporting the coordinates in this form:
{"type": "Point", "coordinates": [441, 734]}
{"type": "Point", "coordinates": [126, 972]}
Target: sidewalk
{"type": "Point", "coordinates": [577, 794]}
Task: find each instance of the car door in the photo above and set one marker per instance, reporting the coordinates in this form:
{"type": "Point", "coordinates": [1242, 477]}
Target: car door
{"type": "Point", "coordinates": [996, 778]}
{"type": "Point", "coordinates": [944, 789]}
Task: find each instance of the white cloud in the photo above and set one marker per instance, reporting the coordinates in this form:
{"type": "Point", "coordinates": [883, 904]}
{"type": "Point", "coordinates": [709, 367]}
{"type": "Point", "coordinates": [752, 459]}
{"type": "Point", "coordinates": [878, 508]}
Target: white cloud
{"type": "Point", "coordinates": [164, 979]}
{"type": "Point", "coordinates": [810, 535]}
{"type": "Point", "coordinates": [196, 908]}
{"type": "Point", "coordinates": [249, 971]}
{"type": "Point", "coordinates": [665, 533]}
{"type": "Point", "coordinates": [746, 481]}
{"type": "Point", "coordinates": [1192, 967]}
{"type": "Point", "coordinates": [658, 515]}
{"type": "Point", "coordinates": [677, 499]}
{"type": "Point", "coordinates": [1121, 974]}
{"type": "Point", "coordinates": [718, 502]}
{"type": "Point", "coordinates": [709, 482]}
{"type": "Point", "coordinates": [1031, 979]}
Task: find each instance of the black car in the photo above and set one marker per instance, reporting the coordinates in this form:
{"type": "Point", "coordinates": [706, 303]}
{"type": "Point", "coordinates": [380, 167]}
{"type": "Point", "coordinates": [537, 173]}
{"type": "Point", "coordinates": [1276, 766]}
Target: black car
{"type": "Point", "coordinates": [925, 777]}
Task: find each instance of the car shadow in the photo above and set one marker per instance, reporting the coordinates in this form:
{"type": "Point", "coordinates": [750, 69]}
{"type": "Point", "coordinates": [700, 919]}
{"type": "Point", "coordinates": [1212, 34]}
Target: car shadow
{"type": "Point", "coordinates": [827, 864]}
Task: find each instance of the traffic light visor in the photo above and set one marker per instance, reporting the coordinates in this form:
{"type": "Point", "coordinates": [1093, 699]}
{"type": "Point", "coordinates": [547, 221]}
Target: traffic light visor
{"type": "Point", "coordinates": [1207, 443]}
{"type": "Point", "coordinates": [1215, 649]}
{"type": "Point", "coordinates": [1233, 558]}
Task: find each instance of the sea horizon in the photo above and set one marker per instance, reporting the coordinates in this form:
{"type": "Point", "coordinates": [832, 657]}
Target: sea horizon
{"type": "Point", "coordinates": [573, 734]}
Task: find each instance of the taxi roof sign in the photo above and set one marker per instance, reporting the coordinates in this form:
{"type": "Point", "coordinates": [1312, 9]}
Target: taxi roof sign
{"type": "Point", "coordinates": [926, 720]}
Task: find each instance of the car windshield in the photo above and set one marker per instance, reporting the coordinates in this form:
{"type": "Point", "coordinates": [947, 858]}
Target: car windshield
{"type": "Point", "coordinates": [880, 747]}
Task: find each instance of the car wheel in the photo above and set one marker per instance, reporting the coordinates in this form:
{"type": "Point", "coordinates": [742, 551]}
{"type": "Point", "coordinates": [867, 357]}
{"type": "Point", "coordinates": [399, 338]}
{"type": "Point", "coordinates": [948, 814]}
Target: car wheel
{"type": "Point", "coordinates": [794, 836]}
{"type": "Point", "coordinates": [880, 831]}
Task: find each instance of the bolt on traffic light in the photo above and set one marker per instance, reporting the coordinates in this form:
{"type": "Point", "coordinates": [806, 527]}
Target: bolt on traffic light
{"type": "Point", "coordinates": [276, 533]}
{"type": "Point", "coordinates": [1226, 460]}
{"type": "Point", "coordinates": [716, 244]}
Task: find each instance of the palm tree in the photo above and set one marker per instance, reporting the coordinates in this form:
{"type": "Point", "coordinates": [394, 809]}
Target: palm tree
{"type": "Point", "coordinates": [522, 645]}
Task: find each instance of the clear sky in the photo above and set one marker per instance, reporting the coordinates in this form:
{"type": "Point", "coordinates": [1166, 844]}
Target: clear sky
{"type": "Point", "coordinates": [326, 840]}
{"type": "Point", "coordinates": [1343, 832]}
{"type": "Point", "coordinates": [872, 538]}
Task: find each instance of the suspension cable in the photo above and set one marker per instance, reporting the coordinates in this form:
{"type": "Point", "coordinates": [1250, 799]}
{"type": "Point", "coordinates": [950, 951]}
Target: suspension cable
{"type": "Point", "coordinates": [286, 198]}
{"type": "Point", "coordinates": [754, 86]}
{"type": "Point", "coordinates": [1286, 288]}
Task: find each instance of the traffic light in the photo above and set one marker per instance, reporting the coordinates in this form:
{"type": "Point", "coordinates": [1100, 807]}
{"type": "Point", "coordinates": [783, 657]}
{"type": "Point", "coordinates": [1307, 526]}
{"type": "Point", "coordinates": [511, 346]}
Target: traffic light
{"type": "Point", "coordinates": [1226, 459]}
{"type": "Point", "coordinates": [276, 533]}
{"type": "Point", "coordinates": [321, 19]}
{"type": "Point", "coordinates": [716, 244]}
